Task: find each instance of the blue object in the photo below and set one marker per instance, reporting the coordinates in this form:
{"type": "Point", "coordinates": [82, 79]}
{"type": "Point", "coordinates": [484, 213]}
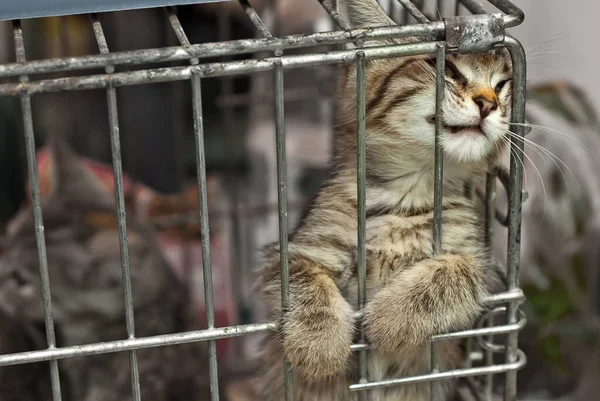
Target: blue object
{"type": "Point", "coordinates": [11, 9]}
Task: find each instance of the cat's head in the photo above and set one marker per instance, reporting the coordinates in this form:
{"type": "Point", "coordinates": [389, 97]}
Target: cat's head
{"type": "Point", "coordinates": [400, 102]}
{"type": "Point", "coordinates": [83, 255]}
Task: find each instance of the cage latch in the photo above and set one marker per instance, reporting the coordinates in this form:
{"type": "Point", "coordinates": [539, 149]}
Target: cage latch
{"type": "Point", "coordinates": [474, 33]}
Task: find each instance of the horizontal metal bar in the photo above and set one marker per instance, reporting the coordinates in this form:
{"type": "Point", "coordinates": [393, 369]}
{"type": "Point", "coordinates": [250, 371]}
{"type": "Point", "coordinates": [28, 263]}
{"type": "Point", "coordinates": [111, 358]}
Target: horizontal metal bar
{"type": "Point", "coordinates": [171, 74]}
{"type": "Point", "coordinates": [452, 374]}
{"type": "Point", "coordinates": [191, 336]}
{"type": "Point", "coordinates": [210, 70]}
{"type": "Point", "coordinates": [434, 30]}
{"type": "Point", "coordinates": [494, 330]}
{"type": "Point", "coordinates": [136, 343]}
{"type": "Point", "coordinates": [501, 298]}
{"type": "Point", "coordinates": [504, 297]}
{"type": "Point", "coordinates": [504, 329]}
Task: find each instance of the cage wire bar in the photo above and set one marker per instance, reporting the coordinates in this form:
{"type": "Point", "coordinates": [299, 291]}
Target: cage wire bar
{"type": "Point", "coordinates": [435, 41]}
{"type": "Point", "coordinates": [440, 66]}
{"type": "Point", "coordinates": [113, 118]}
{"type": "Point", "coordinates": [361, 200]}
{"type": "Point", "coordinates": [203, 201]}
{"type": "Point", "coordinates": [37, 211]}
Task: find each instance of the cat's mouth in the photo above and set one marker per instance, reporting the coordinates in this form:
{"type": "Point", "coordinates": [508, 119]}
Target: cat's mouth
{"type": "Point", "coordinates": [459, 129]}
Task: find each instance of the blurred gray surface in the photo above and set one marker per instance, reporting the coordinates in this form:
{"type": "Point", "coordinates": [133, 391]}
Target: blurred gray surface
{"type": "Point", "coordinates": [43, 8]}
{"type": "Point", "coordinates": [560, 39]}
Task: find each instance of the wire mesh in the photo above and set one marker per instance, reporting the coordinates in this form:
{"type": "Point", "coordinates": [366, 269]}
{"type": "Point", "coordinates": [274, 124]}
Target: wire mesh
{"type": "Point", "coordinates": [433, 39]}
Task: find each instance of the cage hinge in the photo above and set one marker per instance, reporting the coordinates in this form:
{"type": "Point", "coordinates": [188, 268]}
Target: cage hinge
{"type": "Point", "coordinates": [474, 33]}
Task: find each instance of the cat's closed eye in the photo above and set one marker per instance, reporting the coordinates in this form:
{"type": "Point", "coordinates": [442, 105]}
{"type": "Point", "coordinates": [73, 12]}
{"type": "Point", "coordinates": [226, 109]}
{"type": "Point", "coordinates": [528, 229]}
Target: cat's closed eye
{"type": "Point", "coordinates": [501, 85]}
{"type": "Point", "coordinates": [451, 71]}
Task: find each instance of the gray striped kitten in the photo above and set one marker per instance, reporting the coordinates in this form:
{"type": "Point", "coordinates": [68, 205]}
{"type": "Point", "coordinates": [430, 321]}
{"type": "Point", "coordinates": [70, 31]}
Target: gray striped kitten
{"type": "Point", "coordinates": [84, 264]}
{"type": "Point", "coordinates": [412, 293]}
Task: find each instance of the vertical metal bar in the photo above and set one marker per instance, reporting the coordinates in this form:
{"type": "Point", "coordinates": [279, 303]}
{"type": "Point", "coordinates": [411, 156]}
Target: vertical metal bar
{"type": "Point", "coordinates": [281, 171]}
{"type": "Point", "coordinates": [282, 203]}
{"type": "Point", "coordinates": [204, 224]}
{"type": "Point", "coordinates": [457, 8]}
{"type": "Point", "coordinates": [439, 165]}
{"type": "Point", "coordinates": [111, 96]}
{"type": "Point", "coordinates": [203, 201]}
{"type": "Point", "coordinates": [414, 11]}
{"type": "Point", "coordinates": [40, 240]}
{"type": "Point", "coordinates": [205, 231]}
{"type": "Point", "coordinates": [517, 54]}
{"type": "Point", "coordinates": [361, 205]}
{"type": "Point", "coordinates": [438, 186]}
{"type": "Point", "coordinates": [264, 32]}
{"type": "Point", "coordinates": [335, 15]}
{"type": "Point", "coordinates": [115, 141]}
{"type": "Point", "coordinates": [490, 213]}
{"type": "Point", "coordinates": [255, 18]}
{"type": "Point", "coordinates": [490, 205]}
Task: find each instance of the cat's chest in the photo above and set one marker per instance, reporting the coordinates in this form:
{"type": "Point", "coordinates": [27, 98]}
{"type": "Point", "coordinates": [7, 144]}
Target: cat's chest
{"type": "Point", "coordinates": [394, 242]}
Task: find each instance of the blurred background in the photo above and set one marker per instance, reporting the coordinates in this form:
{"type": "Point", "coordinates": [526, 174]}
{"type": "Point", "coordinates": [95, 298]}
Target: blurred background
{"type": "Point", "coordinates": [561, 227]}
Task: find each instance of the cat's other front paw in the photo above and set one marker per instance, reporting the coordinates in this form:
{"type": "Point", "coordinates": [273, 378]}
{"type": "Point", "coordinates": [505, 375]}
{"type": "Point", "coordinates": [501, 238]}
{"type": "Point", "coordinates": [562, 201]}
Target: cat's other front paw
{"type": "Point", "coordinates": [393, 327]}
{"type": "Point", "coordinates": [316, 341]}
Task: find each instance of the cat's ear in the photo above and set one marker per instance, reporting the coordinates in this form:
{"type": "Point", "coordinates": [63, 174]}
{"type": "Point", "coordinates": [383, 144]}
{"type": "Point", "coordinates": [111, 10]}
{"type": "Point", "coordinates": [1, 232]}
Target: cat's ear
{"type": "Point", "coordinates": [364, 13]}
{"type": "Point", "coordinates": [70, 180]}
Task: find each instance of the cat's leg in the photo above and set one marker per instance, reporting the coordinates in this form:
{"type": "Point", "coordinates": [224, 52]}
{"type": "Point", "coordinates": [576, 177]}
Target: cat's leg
{"type": "Point", "coordinates": [434, 296]}
{"type": "Point", "coordinates": [318, 327]}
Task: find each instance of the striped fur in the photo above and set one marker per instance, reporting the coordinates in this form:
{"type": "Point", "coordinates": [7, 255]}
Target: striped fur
{"type": "Point", "coordinates": [84, 265]}
{"type": "Point", "coordinates": [412, 293]}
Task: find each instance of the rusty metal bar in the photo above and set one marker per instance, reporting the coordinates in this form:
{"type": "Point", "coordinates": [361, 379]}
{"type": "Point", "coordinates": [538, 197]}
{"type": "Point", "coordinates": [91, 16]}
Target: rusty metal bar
{"type": "Point", "coordinates": [204, 223]}
{"type": "Point", "coordinates": [40, 240]}
{"type": "Point", "coordinates": [111, 97]}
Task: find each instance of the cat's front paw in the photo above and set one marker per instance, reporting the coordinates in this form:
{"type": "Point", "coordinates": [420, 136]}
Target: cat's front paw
{"type": "Point", "coordinates": [394, 327]}
{"type": "Point", "coordinates": [316, 341]}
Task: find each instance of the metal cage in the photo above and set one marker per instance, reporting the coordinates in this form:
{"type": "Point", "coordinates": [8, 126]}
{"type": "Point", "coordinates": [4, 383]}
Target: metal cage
{"type": "Point", "coordinates": [481, 30]}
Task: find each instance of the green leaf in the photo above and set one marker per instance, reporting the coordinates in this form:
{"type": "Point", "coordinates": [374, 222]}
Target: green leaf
{"type": "Point", "coordinates": [550, 347]}
{"type": "Point", "coordinates": [551, 304]}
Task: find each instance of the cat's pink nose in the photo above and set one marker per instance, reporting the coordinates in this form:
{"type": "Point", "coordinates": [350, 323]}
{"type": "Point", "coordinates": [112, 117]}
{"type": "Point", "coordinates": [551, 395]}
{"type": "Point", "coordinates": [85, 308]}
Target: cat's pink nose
{"type": "Point", "coordinates": [486, 104]}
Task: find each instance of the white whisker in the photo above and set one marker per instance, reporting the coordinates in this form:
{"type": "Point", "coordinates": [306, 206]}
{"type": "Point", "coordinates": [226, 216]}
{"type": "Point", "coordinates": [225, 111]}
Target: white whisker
{"type": "Point", "coordinates": [547, 129]}
{"type": "Point", "coordinates": [540, 150]}
{"type": "Point", "coordinates": [506, 142]}
{"type": "Point", "coordinates": [541, 180]}
{"type": "Point", "coordinates": [550, 40]}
